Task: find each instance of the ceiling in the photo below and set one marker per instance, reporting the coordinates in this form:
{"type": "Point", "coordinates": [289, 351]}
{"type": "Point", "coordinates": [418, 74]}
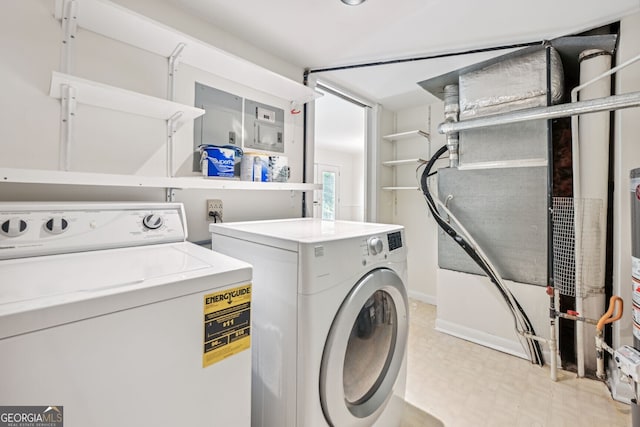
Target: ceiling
{"type": "Point", "coordinates": [316, 34]}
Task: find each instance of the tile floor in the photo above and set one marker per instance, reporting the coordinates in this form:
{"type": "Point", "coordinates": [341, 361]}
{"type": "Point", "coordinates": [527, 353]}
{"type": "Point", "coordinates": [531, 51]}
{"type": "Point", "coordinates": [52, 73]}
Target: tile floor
{"type": "Point", "coordinates": [465, 384]}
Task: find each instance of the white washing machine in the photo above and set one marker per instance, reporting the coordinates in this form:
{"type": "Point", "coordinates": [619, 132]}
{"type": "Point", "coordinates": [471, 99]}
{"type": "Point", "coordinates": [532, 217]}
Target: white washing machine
{"type": "Point", "coordinates": [109, 315]}
{"type": "Point", "coordinates": [330, 320]}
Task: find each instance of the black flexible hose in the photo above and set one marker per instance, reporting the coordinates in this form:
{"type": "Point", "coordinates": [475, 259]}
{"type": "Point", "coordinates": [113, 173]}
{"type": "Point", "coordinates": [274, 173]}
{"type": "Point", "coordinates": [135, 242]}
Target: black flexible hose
{"type": "Point", "coordinates": [534, 347]}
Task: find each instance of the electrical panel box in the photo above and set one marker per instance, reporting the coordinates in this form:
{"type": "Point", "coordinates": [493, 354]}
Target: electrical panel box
{"type": "Point", "coordinates": [222, 122]}
{"type": "Point", "coordinates": [264, 127]}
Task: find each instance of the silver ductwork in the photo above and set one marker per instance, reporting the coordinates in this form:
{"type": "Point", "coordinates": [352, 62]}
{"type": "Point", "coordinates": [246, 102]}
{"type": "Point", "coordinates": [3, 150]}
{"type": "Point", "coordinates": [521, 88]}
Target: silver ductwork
{"type": "Point", "coordinates": [497, 176]}
{"type": "Point", "coordinates": [512, 84]}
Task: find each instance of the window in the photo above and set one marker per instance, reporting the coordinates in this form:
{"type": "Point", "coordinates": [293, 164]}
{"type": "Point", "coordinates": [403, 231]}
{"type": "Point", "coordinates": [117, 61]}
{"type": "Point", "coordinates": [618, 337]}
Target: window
{"type": "Point", "coordinates": [329, 195]}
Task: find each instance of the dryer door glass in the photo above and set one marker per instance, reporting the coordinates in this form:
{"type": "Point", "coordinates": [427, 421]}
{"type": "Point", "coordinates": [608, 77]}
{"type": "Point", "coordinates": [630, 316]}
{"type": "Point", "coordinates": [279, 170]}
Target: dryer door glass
{"type": "Point", "coordinates": [370, 347]}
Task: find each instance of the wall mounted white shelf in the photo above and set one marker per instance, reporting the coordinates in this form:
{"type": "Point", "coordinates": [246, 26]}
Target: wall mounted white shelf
{"type": "Point", "coordinates": [39, 176]}
{"type": "Point", "coordinates": [392, 163]}
{"type": "Point", "coordinates": [115, 98]}
{"type": "Point", "coordinates": [119, 23]}
{"type": "Point", "coordinates": [406, 135]}
{"type": "Point", "coordinates": [399, 188]}
{"type": "Point", "coordinates": [394, 137]}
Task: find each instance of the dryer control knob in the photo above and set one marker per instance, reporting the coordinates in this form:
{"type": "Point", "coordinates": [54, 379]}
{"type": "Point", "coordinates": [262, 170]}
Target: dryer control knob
{"type": "Point", "coordinates": [152, 221]}
{"type": "Point", "coordinates": [375, 245]}
{"type": "Point", "coordinates": [13, 227]}
{"type": "Point", "coordinates": [56, 225]}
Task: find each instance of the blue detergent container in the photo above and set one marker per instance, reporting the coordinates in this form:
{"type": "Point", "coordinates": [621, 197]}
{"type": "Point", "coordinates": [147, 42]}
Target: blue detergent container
{"type": "Point", "coordinates": [220, 161]}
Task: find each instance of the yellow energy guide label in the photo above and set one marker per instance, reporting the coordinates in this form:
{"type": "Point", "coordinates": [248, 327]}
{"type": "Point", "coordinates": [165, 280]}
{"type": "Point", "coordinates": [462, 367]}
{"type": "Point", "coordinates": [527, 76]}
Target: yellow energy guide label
{"type": "Point", "coordinates": [227, 323]}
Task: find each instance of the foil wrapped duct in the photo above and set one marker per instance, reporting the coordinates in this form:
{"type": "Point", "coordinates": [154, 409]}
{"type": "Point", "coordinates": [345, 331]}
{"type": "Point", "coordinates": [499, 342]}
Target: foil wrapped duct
{"type": "Point", "coordinates": [499, 189]}
{"type": "Point", "coordinates": [513, 84]}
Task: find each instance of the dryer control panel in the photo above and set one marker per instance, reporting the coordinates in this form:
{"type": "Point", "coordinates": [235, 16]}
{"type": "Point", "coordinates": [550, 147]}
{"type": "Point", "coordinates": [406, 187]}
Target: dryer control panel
{"type": "Point", "coordinates": [33, 229]}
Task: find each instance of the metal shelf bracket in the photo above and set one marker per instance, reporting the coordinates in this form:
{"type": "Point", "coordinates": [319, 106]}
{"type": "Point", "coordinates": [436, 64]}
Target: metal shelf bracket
{"type": "Point", "coordinates": [67, 118]}
{"type": "Point", "coordinates": [170, 194]}
{"type": "Point", "coordinates": [174, 61]}
{"type": "Point", "coordinates": [69, 29]}
{"type": "Point", "coordinates": [172, 127]}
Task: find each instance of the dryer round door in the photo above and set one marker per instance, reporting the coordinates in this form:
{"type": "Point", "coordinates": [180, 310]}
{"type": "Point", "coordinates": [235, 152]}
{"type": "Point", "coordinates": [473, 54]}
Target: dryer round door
{"type": "Point", "coordinates": [365, 350]}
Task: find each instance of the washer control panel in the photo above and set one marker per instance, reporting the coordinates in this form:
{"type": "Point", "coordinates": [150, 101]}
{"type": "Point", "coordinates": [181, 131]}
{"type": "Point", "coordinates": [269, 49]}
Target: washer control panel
{"type": "Point", "coordinates": [153, 221]}
{"type": "Point", "coordinates": [380, 246]}
{"type": "Point", "coordinates": [375, 245]}
{"type": "Point", "coordinates": [32, 229]}
{"type": "Point", "coordinates": [395, 240]}
{"type": "Point", "coordinates": [56, 225]}
{"type": "Point", "coordinates": [13, 227]}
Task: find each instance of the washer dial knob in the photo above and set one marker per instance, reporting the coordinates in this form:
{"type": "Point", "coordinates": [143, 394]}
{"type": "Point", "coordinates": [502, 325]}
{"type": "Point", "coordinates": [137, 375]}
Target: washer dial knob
{"type": "Point", "coordinates": [375, 245]}
{"type": "Point", "coordinates": [152, 221]}
{"type": "Point", "coordinates": [56, 225]}
{"type": "Point", "coordinates": [13, 227]}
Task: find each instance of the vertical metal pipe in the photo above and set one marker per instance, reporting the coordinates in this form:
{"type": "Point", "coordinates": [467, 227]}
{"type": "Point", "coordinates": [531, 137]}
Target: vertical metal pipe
{"type": "Point", "coordinates": [553, 349]}
{"type": "Point", "coordinates": [451, 114]}
{"type": "Point", "coordinates": [553, 357]}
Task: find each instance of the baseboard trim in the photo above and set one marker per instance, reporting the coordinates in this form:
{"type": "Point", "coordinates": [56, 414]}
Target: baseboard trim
{"type": "Point", "coordinates": [422, 297]}
{"type": "Point", "coordinates": [497, 343]}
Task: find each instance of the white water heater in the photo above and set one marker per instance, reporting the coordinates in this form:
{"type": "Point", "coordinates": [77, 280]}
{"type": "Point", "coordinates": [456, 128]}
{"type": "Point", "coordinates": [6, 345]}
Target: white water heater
{"type": "Point", "coordinates": [635, 253]}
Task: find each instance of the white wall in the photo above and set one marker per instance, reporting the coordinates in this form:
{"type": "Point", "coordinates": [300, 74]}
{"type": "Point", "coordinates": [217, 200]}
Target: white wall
{"type": "Point", "coordinates": [408, 207]}
{"type": "Point", "coordinates": [470, 307]}
{"type": "Point", "coordinates": [626, 157]}
{"type": "Point", "coordinates": [351, 182]}
{"type": "Point", "coordinates": [358, 182]}
{"type": "Point", "coordinates": [384, 175]}
{"type": "Point", "coordinates": [114, 142]}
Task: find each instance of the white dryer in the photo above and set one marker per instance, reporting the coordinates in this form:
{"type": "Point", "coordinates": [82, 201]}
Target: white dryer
{"type": "Point", "coordinates": [108, 314]}
{"type": "Point", "coordinates": [330, 320]}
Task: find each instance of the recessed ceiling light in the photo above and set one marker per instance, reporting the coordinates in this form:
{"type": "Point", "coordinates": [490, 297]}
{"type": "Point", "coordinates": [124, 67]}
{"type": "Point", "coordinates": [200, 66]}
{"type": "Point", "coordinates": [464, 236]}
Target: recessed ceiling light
{"type": "Point", "coordinates": [353, 2]}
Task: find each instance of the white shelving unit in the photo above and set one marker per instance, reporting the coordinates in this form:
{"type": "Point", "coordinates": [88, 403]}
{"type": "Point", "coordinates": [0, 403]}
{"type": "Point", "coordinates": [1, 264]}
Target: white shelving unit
{"type": "Point", "coordinates": [392, 163]}
{"type": "Point", "coordinates": [115, 98]}
{"type": "Point", "coordinates": [119, 23]}
{"type": "Point", "coordinates": [40, 176]}
{"type": "Point", "coordinates": [394, 137]}
{"type": "Point", "coordinates": [400, 188]}
{"type": "Point", "coordinates": [405, 135]}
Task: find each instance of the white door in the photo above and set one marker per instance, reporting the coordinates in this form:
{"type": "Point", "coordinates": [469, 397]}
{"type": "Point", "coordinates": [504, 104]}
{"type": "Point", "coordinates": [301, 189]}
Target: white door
{"type": "Point", "coordinates": [340, 140]}
{"type": "Point", "coordinates": [365, 350]}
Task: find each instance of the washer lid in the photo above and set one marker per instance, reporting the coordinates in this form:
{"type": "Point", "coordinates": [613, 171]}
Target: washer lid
{"type": "Point", "coordinates": [45, 291]}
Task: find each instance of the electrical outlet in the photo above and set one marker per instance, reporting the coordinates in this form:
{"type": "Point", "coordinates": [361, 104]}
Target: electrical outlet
{"type": "Point", "coordinates": [214, 210]}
